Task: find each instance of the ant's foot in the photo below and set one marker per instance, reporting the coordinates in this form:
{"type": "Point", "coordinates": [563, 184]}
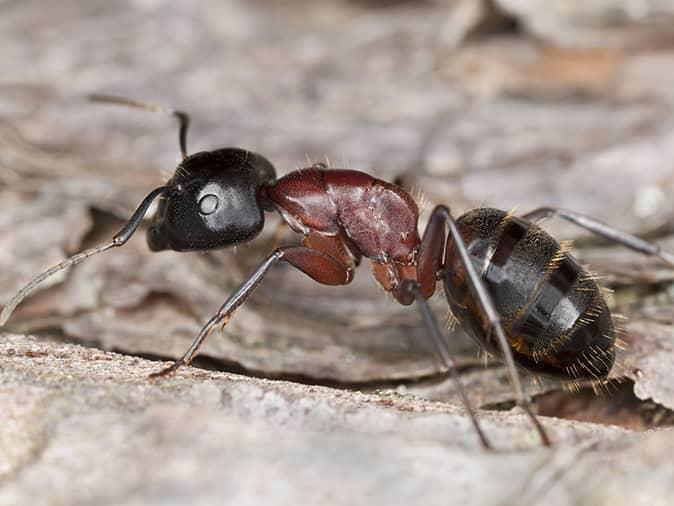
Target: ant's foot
{"type": "Point", "coordinates": [167, 370]}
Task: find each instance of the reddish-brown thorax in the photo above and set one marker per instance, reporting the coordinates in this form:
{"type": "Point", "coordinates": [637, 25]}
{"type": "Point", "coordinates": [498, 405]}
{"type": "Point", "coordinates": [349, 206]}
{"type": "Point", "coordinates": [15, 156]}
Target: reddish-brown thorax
{"type": "Point", "coordinates": [348, 214]}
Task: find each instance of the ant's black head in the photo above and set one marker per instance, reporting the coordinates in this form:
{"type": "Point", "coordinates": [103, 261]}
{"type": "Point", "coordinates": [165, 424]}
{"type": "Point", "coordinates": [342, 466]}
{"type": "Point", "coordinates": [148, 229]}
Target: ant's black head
{"type": "Point", "coordinates": [212, 201]}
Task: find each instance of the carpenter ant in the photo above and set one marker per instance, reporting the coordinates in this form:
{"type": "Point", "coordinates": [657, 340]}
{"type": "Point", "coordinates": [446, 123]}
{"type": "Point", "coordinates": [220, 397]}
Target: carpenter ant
{"type": "Point", "coordinates": [516, 291]}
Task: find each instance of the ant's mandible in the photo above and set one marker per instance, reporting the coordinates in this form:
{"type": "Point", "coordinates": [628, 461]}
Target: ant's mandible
{"type": "Point", "coordinates": [510, 284]}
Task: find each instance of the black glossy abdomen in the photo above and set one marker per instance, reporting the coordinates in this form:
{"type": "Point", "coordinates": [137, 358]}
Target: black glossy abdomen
{"type": "Point", "coordinates": [553, 312]}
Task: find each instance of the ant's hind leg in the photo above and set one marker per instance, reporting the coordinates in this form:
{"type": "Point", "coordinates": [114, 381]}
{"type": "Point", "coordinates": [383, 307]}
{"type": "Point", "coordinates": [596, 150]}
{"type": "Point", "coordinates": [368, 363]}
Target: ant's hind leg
{"type": "Point", "coordinates": [602, 229]}
{"type": "Point", "coordinates": [441, 215]}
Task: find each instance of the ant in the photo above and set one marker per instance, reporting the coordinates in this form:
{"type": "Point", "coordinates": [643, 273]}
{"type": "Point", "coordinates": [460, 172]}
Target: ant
{"type": "Point", "coordinates": [512, 286]}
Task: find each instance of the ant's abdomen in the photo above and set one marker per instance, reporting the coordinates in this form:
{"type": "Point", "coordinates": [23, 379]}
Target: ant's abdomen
{"type": "Point", "coordinates": [553, 313]}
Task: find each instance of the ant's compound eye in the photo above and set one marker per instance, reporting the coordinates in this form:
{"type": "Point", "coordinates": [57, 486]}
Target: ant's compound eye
{"type": "Point", "coordinates": [208, 204]}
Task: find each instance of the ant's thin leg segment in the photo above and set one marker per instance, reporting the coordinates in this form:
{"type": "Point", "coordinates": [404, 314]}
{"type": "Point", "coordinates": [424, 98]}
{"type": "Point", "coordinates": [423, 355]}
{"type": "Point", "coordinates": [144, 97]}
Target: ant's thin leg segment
{"type": "Point", "coordinates": [317, 265]}
{"type": "Point", "coordinates": [183, 117]}
{"type": "Point", "coordinates": [118, 240]}
{"type": "Point", "coordinates": [484, 299]}
{"type": "Point", "coordinates": [224, 313]}
{"type": "Point", "coordinates": [631, 241]}
{"type": "Point", "coordinates": [443, 351]}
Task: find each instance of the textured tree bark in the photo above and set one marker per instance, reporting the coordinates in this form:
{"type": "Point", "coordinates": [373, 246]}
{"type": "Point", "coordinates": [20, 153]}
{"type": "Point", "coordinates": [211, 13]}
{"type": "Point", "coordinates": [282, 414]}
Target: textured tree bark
{"type": "Point", "coordinates": [505, 103]}
{"type": "Point", "coordinates": [75, 417]}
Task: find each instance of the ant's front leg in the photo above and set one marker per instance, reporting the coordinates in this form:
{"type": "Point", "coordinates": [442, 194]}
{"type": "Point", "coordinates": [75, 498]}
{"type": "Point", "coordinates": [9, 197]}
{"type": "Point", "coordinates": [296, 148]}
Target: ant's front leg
{"type": "Point", "coordinates": [318, 265]}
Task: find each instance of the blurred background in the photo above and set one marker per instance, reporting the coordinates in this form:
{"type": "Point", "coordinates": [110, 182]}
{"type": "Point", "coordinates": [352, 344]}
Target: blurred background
{"type": "Point", "coordinates": [504, 103]}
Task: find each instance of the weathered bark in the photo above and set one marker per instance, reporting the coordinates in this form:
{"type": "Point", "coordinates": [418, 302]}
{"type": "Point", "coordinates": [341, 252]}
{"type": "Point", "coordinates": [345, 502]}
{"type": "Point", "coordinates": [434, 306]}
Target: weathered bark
{"type": "Point", "coordinates": [502, 103]}
{"type": "Point", "coordinates": [81, 426]}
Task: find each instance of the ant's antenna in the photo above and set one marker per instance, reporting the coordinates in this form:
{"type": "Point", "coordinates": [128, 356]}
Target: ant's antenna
{"type": "Point", "coordinates": [183, 117]}
{"type": "Point", "coordinates": [118, 240]}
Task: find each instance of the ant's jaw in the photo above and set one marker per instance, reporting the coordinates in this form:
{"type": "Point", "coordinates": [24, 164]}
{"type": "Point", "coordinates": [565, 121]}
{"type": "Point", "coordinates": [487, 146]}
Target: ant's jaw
{"type": "Point", "coordinates": [156, 240]}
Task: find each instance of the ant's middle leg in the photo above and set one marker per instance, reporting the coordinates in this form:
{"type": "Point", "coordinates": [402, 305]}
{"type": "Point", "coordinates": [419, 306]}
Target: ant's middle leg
{"type": "Point", "coordinates": [318, 265]}
{"type": "Point", "coordinates": [443, 351]}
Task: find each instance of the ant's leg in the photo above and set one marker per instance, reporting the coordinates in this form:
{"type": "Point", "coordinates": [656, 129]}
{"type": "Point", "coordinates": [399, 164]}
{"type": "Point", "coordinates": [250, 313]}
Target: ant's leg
{"type": "Point", "coordinates": [631, 241]}
{"type": "Point", "coordinates": [183, 117]}
{"type": "Point", "coordinates": [118, 240]}
{"type": "Point", "coordinates": [482, 296]}
{"type": "Point", "coordinates": [319, 266]}
{"type": "Point", "coordinates": [441, 347]}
